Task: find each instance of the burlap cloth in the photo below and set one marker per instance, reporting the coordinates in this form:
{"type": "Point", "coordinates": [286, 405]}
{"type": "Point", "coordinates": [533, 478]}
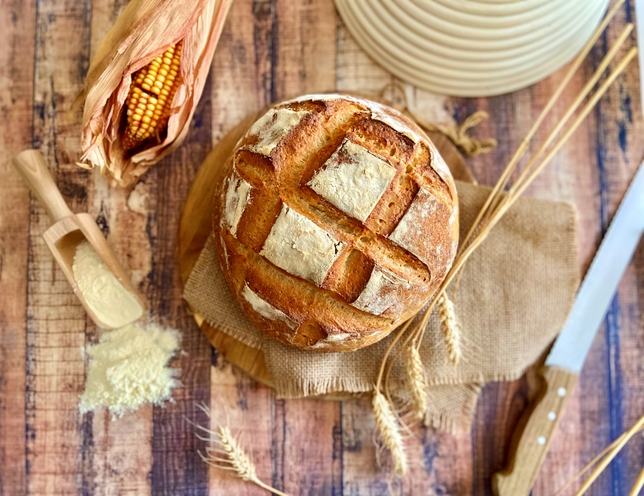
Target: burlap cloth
{"type": "Point", "coordinates": [513, 298]}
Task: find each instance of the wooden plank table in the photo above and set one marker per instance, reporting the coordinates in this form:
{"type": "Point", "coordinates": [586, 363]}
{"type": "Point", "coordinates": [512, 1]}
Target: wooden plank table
{"type": "Point", "coordinates": [270, 49]}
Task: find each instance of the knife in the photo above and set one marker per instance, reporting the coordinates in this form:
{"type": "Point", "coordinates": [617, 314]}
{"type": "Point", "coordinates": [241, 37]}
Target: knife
{"type": "Point", "coordinates": [566, 359]}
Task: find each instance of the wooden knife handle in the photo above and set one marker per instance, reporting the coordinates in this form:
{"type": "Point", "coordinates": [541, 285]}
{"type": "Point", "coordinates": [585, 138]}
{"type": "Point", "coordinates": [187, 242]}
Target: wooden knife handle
{"type": "Point", "coordinates": [33, 168]}
{"type": "Point", "coordinates": [530, 446]}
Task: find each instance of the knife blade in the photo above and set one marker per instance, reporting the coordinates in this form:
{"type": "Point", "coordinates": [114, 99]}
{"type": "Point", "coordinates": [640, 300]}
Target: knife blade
{"type": "Point", "coordinates": [566, 359]}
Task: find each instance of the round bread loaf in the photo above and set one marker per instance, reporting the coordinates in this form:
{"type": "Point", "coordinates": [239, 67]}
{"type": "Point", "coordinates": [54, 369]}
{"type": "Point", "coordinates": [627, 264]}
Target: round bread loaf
{"type": "Point", "coordinates": [336, 220]}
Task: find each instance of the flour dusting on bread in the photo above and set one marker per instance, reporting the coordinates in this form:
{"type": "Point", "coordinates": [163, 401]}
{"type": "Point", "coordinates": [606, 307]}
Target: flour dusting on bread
{"type": "Point", "coordinates": [237, 196]}
{"type": "Point", "coordinates": [300, 247]}
{"type": "Point", "coordinates": [353, 180]}
{"type": "Point", "coordinates": [411, 232]}
{"type": "Point", "coordinates": [265, 309]}
{"type": "Point", "coordinates": [438, 163]}
{"type": "Point", "coordinates": [412, 226]}
{"type": "Point", "coordinates": [386, 116]}
{"type": "Point", "coordinates": [377, 297]}
{"type": "Point", "coordinates": [272, 127]}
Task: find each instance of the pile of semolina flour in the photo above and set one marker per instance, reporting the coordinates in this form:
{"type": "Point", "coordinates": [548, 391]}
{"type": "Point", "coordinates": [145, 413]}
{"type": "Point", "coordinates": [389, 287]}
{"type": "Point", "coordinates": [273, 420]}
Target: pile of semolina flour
{"type": "Point", "coordinates": [128, 368]}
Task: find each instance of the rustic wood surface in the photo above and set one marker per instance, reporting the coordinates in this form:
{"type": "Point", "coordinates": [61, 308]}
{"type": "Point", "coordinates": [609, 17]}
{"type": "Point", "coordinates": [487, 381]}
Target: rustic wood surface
{"type": "Point", "coordinates": [269, 50]}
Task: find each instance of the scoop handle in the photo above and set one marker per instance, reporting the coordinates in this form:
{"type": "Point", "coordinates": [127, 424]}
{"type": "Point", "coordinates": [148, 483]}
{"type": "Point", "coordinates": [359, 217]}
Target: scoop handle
{"type": "Point", "coordinates": [32, 167]}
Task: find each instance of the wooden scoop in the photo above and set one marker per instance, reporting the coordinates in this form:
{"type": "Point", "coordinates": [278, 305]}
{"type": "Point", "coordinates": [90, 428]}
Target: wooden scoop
{"type": "Point", "coordinates": [69, 229]}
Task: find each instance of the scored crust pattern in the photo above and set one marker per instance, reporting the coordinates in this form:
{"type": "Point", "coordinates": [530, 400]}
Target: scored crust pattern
{"type": "Point", "coordinates": [337, 220]}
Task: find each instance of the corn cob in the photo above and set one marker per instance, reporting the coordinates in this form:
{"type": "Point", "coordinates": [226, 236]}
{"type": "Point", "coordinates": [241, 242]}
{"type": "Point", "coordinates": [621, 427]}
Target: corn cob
{"type": "Point", "coordinates": [150, 98]}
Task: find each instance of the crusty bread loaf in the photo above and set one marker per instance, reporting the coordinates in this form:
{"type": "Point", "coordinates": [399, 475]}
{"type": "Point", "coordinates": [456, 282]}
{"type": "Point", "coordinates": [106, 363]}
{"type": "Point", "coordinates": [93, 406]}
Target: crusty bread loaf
{"type": "Point", "coordinates": [336, 220]}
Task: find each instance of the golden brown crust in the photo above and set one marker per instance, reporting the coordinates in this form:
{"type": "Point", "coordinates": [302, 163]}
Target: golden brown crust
{"type": "Point", "coordinates": [336, 220]}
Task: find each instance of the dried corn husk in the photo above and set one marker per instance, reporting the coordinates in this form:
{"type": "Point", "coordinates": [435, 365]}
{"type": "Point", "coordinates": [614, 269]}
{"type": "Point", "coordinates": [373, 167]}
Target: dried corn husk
{"type": "Point", "coordinates": [145, 29]}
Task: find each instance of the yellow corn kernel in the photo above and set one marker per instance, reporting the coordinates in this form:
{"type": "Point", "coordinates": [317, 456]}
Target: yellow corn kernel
{"type": "Point", "coordinates": [150, 97]}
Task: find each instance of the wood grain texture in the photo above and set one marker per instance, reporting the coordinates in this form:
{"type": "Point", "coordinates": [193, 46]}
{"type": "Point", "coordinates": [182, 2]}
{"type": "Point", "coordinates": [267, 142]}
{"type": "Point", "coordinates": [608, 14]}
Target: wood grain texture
{"type": "Point", "coordinates": [18, 23]}
{"type": "Point", "coordinates": [270, 49]}
{"type": "Point", "coordinates": [56, 322]}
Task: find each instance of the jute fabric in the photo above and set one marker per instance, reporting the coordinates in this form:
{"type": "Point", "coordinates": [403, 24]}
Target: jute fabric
{"type": "Point", "coordinates": [511, 301]}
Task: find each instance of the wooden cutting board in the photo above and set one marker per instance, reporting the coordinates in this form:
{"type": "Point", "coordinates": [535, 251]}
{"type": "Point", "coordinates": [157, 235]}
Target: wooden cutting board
{"type": "Point", "coordinates": [196, 225]}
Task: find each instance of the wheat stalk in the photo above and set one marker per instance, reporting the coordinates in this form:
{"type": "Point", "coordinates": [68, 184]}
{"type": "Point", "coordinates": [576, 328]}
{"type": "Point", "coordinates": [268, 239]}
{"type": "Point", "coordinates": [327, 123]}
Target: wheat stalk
{"type": "Point", "coordinates": [229, 455]}
{"type": "Point", "coordinates": [639, 484]}
{"type": "Point", "coordinates": [450, 327]}
{"type": "Point", "coordinates": [609, 457]}
{"type": "Point", "coordinates": [232, 457]}
{"type": "Point", "coordinates": [603, 459]}
{"type": "Point", "coordinates": [390, 432]}
{"type": "Point", "coordinates": [416, 380]}
{"type": "Point", "coordinates": [498, 203]}
{"type": "Point", "coordinates": [235, 456]}
{"type": "Point", "coordinates": [525, 142]}
{"type": "Point", "coordinates": [495, 207]}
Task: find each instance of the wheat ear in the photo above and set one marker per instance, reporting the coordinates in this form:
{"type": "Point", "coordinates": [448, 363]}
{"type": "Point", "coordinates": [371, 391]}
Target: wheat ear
{"type": "Point", "coordinates": [231, 456]}
{"type": "Point", "coordinates": [390, 432]}
{"type": "Point", "coordinates": [416, 380]}
{"type": "Point", "coordinates": [450, 328]}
